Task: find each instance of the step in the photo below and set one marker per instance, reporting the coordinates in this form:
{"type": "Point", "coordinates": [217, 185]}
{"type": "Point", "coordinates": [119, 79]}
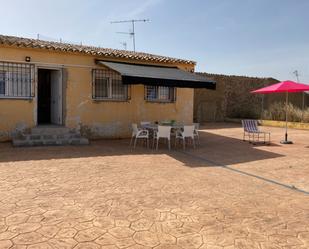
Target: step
{"type": "Point", "coordinates": [49, 142]}
{"type": "Point", "coordinates": [50, 135]}
{"type": "Point", "coordinates": [49, 129]}
{"type": "Point", "coordinates": [35, 137]}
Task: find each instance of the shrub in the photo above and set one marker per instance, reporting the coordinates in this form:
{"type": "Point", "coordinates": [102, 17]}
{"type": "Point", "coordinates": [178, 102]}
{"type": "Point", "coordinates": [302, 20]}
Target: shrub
{"type": "Point", "coordinates": [306, 116]}
{"type": "Point", "coordinates": [277, 112]}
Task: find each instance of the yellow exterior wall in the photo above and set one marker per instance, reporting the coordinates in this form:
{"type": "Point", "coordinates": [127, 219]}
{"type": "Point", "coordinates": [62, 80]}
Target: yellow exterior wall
{"type": "Point", "coordinates": [95, 118]}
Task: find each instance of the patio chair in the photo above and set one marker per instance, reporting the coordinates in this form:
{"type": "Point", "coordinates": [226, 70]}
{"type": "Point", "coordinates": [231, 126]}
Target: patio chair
{"type": "Point", "coordinates": [139, 133]}
{"type": "Point", "coordinates": [163, 132]}
{"type": "Point", "coordinates": [251, 129]}
{"type": "Point", "coordinates": [188, 132]}
{"type": "Point", "coordinates": [196, 133]}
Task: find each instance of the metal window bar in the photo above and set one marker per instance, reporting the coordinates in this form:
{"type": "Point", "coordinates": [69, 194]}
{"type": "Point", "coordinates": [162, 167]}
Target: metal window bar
{"type": "Point", "coordinates": [107, 85]}
{"type": "Point", "coordinates": [16, 80]}
{"type": "Point", "coordinates": [151, 93]}
{"type": "Point", "coordinates": [2, 82]}
{"type": "Point", "coordinates": [160, 94]}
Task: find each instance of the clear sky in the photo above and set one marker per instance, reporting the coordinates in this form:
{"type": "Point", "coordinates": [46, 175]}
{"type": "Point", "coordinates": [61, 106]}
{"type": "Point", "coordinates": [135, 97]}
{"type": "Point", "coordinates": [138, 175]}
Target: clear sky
{"type": "Point", "coordinates": [241, 37]}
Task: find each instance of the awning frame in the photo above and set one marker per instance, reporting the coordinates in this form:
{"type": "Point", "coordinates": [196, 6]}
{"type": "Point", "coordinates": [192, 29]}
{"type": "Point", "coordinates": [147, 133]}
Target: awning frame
{"type": "Point", "coordinates": [196, 81]}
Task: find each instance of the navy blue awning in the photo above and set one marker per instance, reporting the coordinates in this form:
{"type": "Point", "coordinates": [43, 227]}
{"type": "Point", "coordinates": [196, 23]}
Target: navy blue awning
{"type": "Point", "coordinates": [133, 74]}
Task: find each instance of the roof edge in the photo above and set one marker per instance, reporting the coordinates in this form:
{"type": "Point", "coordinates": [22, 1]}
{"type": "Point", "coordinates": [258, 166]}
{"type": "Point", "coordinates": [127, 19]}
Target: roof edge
{"type": "Point", "coordinates": [21, 42]}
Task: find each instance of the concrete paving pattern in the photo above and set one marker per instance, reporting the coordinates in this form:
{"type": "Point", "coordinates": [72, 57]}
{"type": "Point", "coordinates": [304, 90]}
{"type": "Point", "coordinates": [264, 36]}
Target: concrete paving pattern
{"type": "Point", "coordinates": [225, 194]}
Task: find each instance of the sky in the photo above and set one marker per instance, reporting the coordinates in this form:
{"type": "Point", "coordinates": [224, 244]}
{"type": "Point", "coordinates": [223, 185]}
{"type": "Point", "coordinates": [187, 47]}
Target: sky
{"type": "Point", "coordinates": [263, 38]}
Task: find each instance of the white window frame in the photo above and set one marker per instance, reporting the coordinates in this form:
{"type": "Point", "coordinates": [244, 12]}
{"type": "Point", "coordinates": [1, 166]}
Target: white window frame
{"type": "Point", "coordinates": [160, 95]}
{"type": "Point", "coordinates": [110, 95]}
{"type": "Point", "coordinates": [16, 77]}
{"type": "Point", "coordinates": [108, 88]}
{"type": "Point", "coordinates": [117, 96]}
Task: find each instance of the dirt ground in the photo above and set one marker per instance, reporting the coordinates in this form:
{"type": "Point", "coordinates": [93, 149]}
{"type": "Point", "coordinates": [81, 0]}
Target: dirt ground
{"type": "Point", "coordinates": [225, 194]}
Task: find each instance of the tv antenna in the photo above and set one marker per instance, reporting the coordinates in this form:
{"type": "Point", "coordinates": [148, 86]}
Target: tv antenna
{"type": "Point", "coordinates": [124, 44]}
{"type": "Point", "coordinates": [303, 96]}
{"type": "Point", "coordinates": [297, 75]}
{"type": "Point", "coordinates": [132, 32]}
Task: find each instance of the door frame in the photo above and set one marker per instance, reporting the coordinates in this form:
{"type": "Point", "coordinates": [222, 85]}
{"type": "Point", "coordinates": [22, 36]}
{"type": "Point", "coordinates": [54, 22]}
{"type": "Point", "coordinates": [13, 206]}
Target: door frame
{"type": "Point", "coordinates": [52, 68]}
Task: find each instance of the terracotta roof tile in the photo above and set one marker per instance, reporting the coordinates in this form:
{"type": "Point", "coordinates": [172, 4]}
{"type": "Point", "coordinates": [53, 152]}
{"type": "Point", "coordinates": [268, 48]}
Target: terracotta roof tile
{"type": "Point", "coordinates": [90, 50]}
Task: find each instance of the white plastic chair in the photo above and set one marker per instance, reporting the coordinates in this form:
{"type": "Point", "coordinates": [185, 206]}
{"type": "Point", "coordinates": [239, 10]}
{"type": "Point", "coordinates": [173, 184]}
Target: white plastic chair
{"type": "Point", "coordinates": [188, 132]}
{"type": "Point", "coordinates": [196, 133]}
{"type": "Point", "coordinates": [163, 132]}
{"type": "Point", "coordinates": [138, 133]}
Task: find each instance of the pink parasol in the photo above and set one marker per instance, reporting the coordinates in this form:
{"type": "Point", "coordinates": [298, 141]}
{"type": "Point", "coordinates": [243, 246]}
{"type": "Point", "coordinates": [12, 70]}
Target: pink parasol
{"type": "Point", "coordinates": [284, 86]}
{"type": "Point", "coordinates": [287, 87]}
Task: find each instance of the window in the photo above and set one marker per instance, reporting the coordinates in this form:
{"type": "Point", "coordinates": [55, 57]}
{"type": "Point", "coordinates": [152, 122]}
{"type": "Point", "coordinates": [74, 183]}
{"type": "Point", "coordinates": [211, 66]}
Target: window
{"type": "Point", "coordinates": [2, 82]}
{"type": "Point", "coordinates": [16, 80]}
{"type": "Point", "coordinates": [107, 85]}
{"type": "Point", "coordinates": [160, 93]}
{"type": "Point", "coordinates": [101, 87]}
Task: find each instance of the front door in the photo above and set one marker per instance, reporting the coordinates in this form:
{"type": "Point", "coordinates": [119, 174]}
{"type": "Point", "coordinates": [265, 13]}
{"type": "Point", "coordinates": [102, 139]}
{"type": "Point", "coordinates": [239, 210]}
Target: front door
{"type": "Point", "coordinates": [56, 97]}
{"type": "Point", "coordinates": [49, 97]}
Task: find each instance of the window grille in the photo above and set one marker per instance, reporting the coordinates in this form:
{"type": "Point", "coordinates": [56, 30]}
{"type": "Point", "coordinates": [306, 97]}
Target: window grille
{"type": "Point", "coordinates": [107, 85]}
{"type": "Point", "coordinates": [160, 93]}
{"type": "Point", "coordinates": [16, 80]}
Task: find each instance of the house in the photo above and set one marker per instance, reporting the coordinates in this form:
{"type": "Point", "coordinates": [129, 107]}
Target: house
{"type": "Point", "coordinates": [96, 91]}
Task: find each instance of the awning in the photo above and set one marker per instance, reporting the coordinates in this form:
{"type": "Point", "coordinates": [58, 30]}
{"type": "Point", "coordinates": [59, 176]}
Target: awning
{"type": "Point", "coordinates": [158, 76]}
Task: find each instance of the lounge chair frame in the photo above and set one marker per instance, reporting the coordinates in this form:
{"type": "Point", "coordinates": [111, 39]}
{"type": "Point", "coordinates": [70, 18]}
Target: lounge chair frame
{"type": "Point", "coordinates": [252, 131]}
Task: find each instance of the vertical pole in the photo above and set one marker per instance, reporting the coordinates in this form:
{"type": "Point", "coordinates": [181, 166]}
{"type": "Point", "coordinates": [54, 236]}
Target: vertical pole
{"type": "Point", "coordinates": [133, 33]}
{"type": "Point", "coordinates": [303, 96]}
{"type": "Point", "coordinates": [303, 107]}
{"type": "Point", "coordinates": [262, 106]}
{"type": "Point", "coordinates": [286, 116]}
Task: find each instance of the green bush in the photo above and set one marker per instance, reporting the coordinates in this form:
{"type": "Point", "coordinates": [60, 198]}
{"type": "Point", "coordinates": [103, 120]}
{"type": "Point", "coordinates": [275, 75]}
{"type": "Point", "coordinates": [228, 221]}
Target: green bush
{"type": "Point", "coordinates": [277, 112]}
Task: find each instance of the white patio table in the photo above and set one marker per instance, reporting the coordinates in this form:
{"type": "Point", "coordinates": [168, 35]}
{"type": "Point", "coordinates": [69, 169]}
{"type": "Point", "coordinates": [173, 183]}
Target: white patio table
{"type": "Point", "coordinates": [154, 127]}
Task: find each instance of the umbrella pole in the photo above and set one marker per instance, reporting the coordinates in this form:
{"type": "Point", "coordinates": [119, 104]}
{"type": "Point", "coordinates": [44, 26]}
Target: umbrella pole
{"type": "Point", "coordinates": [286, 141]}
{"type": "Point", "coordinates": [286, 116]}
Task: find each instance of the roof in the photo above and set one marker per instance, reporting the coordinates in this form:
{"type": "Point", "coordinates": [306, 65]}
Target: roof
{"type": "Point", "coordinates": [88, 50]}
{"type": "Point", "coordinates": [158, 75]}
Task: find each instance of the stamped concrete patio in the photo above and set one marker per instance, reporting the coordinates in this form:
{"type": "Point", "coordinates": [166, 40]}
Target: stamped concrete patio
{"type": "Point", "coordinates": [225, 194]}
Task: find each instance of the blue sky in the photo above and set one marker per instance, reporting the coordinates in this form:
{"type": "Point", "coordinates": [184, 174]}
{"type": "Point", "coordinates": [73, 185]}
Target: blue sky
{"type": "Point", "coordinates": [241, 37]}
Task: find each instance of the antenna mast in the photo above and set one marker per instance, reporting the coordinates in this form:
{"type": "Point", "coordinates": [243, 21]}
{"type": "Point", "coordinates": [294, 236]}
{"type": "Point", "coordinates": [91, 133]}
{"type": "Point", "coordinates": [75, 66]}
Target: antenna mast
{"type": "Point", "coordinates": [297, 75]}
{"type": "Point", "coordinates": [124, 44]}
{"type": "Point", "coordinates": [303, 96]}
{"type": "Point", "coordinates": [132, 33]}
